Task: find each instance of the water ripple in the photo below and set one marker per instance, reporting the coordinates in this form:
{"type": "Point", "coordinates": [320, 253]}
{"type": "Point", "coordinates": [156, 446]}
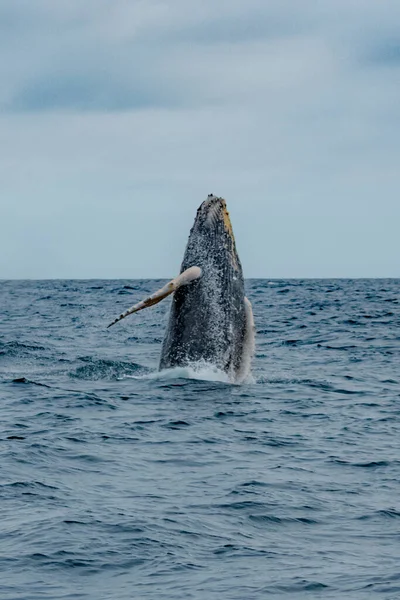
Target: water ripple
{"type": "Point", "coordinates": [119, 481]}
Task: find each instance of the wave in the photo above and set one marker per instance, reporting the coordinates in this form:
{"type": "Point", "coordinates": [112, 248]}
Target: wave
{"type": "Point", "coordinates": [106, 369]}
{"type": "Point", "coordinates": [16, 349]}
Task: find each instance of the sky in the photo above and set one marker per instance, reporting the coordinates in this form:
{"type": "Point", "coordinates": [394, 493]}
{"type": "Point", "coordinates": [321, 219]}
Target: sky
{"type": "Point", "coordinates": [119, 117]}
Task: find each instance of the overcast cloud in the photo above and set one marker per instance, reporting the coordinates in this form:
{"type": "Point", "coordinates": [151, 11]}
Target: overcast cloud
{"type": "Point", "coordinates": [118, 117]}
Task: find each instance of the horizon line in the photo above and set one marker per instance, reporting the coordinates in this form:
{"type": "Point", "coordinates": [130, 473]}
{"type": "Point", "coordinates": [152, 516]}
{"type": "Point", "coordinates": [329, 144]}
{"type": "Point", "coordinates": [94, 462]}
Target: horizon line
{"type": "Point", "coordinates": [325, 278]}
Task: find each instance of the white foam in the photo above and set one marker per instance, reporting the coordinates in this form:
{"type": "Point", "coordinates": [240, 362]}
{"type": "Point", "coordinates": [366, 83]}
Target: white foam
{"type": "Point", "coordinates": [199, 371]}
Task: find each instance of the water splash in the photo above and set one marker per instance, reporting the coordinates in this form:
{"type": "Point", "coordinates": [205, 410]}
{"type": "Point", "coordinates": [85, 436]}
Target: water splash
{"type": "Point", "coordinates": [201, 371]}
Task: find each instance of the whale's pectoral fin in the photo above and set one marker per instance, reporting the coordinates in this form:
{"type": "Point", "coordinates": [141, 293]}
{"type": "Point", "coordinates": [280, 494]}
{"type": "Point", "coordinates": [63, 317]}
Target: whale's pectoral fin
{"type": "Point", "coordinates": [248, 343]}
{"type": "Point", "coordinates": [184, 278]}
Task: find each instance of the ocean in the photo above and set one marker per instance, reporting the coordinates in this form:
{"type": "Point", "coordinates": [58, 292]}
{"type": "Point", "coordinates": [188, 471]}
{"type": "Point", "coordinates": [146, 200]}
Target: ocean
{"type": "Point", "coordinates": [120, 482]}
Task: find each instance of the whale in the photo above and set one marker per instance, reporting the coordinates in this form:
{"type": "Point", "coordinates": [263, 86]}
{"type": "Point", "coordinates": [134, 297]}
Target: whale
{"type": "Point", "coordinates": [211, 319]}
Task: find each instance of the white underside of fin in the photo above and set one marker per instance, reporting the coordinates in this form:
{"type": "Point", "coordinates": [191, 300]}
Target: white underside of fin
{"type": "Point", "coordinates": [184, 278]}
{"type": "Point", "coordinates": [248, 344]}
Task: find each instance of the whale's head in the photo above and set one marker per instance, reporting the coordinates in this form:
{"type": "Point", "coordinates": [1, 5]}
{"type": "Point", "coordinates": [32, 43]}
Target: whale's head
{"type": "Point", "coordinates": [211, 241]}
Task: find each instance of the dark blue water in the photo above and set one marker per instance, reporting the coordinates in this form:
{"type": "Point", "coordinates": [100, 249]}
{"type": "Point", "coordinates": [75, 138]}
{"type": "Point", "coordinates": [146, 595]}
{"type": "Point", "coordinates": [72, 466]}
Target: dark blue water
{"type": "Point", "coordinates": [120, 483]}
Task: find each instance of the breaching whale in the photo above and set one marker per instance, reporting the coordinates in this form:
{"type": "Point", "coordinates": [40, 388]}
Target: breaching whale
{"type": "Point", "coordinates": [211, 320]}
